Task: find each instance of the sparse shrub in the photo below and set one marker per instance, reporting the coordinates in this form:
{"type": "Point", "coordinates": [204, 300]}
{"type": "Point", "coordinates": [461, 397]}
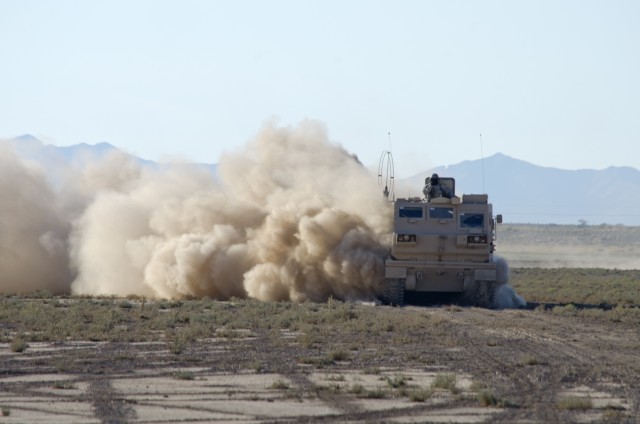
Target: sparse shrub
{"type": "Point", "coordinates": [307, 339]}
{"type": "Point", "coordinates": [528, 360]}
{"type": "Point", "coordinates": [61, 364]}
{"type": "Point", "coordinates": [377, 393]}
{"type": "Point", "coordinates": [319, 362]}
{"type": "Point", "coordinates": [372, 371]}
{"type": "Point", "coordinates": [258, 367]}
{"type": "Point", "coordinates": [419, 394]}
{"type": "Point", "coordinates": [64, 384]}
{"type": "Point", "coordinates": [338, 355]}
{"type": "Point", "coordinates": [42, 294]}
{"type": "Point", "coordinates": [125, 305]}
{"type": "Point", "coordinates": [178, 344]}
{"type": "Point", "coordinates": [446, 382]}
{"type": "Point", "coordinates": [614, 416]}
{"type": "Point", "coordinates": [5, 411]}
{"type": "Point", "coordinates": [280, 385]}
{"type": "Point", "coordinates": [357, 389]}
{"type": "Point", "coordinates": [575, 403]}
{"type": "Point", "coordinates": [184, 375]}
{"type": "Point", "coordinates": [19, 344]}
{"type": "Point", "coordinates": [487, 398]}
{"type": "Point", "coordinates": [398, 381]}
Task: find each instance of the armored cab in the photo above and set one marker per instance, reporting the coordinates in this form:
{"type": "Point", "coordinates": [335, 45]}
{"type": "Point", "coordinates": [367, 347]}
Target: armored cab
{"type": "Point", "coordinates": [442, 243]}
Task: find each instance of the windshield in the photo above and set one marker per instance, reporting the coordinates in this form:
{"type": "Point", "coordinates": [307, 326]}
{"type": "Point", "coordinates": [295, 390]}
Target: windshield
{"type": "Point", "coordinates": [410, 212]}
{"type": "Point", "coordinates": [441, 213]}
{"type": "Point", "coordinates": [471, 220]}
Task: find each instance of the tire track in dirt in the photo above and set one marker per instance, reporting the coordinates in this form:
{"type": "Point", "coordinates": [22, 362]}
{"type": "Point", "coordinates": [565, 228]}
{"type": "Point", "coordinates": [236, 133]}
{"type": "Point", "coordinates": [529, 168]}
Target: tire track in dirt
{"type": "Point", "coordinates": [108, 406]}
{"type": "Point", "coordinates": [532, 357]}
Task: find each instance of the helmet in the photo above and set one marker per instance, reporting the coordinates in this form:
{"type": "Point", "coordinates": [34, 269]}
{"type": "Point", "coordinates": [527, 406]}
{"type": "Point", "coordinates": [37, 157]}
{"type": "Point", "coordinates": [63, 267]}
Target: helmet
{"type": "Point", "coordinates": [434, 179]}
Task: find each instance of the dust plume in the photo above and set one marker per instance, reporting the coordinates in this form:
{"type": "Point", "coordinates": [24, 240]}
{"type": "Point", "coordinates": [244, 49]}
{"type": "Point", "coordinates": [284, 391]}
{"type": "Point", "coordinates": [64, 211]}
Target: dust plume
{"type": "Point", "coordinates": [505, 296]}
{"type": "Point", "coordinates": [292, 217]}
{"type": "Point", "coordinates": [33, 253]}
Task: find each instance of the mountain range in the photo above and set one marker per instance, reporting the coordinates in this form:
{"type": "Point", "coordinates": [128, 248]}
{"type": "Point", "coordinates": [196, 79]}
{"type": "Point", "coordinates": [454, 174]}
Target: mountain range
{"type": "Point", "coordinates": [53, 158]}
{"type": "Point", "coordinates": [521, 191]}
{"type": "Point", "coordinates": [526, 193]}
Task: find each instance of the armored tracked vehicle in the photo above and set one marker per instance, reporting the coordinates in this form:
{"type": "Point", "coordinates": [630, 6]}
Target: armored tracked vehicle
{"type": "Point", "coordinates": [442, 244]}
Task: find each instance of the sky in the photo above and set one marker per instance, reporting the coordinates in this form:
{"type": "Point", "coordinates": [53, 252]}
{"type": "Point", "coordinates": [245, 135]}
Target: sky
{"type": "Point", "coordinates": [554, 83]}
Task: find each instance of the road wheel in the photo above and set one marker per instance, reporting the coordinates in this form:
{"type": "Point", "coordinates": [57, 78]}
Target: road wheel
{"type": "Point", "coordinates": [487, 294]}
{"type": "Point", "coordinates": [396, 292]}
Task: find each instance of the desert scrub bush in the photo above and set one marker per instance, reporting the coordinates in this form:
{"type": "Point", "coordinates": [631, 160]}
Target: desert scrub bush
{"type": "Point", "coordinates": [258, 367]}
{"type": "Point", "coordinates": [338, 355]}
{"type": "Point", "coordinates": [575, 403]}
{"type": "Point", "coordinates": [527, 360]}
{"type": "Point", "coordinates": [6, 411]}
{"type": "Point", "coordinates": [308, 339]}
{"type": "Point", "coordinates": [178, 342]}
{"type": "Point", "coordinates": [183, 375]}
{"type": "Point", "coordinates": [124, 304]}
{"type": "Point", "coordinates": [280, 385]}
{"type": "Point", "coordinates": [487, 398]}
{"type": "Point", "coordinates": [64, 385]}
{"type": "Point", "coordinates": [357, 389]}
{"type": "Point", "coordinates": [446, 382]}
{"type": "Point", "coordinates": [372, 371]}
{"type": "Point", "coordinates": [397, 381]}
{"type": "Point", "coordinates": [363, 393]}
{"type": "Point", "coordinates": [419, 394]}
{"type": "Point", "coordinates": [376, 393]}
{"type": "Point", "coordinates": [318, 362]}
{"type": "Point", "coordinates": [18, 344]}
{"type": "Point", "coordinates": [567, 310]}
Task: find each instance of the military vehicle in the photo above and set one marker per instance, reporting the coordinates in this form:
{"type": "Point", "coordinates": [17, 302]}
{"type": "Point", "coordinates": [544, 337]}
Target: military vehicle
{"type": "Point", "coordinates": [443, 244]}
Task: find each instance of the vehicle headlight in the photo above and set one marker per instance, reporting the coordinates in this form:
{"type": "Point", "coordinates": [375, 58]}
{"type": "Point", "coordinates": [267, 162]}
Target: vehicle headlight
{"type": "Point", "coordinates": [477, 239]}
{"type": "Point", "coordinates": [406, 238]}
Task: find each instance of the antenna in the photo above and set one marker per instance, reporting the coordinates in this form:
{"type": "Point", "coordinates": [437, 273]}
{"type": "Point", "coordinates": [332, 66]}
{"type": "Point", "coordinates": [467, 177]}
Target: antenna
{"type": "Point", "coordinates": [482, 162]}
{"type": "Point", "coordinates": [385, 172]}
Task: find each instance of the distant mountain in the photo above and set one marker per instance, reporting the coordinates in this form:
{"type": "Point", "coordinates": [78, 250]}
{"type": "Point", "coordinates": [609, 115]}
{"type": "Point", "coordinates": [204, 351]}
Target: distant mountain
{"type": "Point", "coordinates": [527, 193]}
{"type": "Point", "coordinates": [522, 192]}
{"type": "Point", "coordinates": [53, 158]}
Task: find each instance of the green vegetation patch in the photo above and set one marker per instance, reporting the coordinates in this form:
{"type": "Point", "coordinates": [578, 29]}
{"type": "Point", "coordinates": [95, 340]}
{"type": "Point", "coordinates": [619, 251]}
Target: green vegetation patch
{"type": "Point", "coordinates": [578, 285]}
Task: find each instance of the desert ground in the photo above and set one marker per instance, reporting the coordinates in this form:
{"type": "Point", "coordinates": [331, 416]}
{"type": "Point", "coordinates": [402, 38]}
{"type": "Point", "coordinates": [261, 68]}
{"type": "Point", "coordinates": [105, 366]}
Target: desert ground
{"type": "Point", "coordinates": [570, 355]}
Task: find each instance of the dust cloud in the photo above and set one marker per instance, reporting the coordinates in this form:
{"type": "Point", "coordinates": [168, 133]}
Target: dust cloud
{"type": "Point", "coordinates": [505, 296]}
{"type": "Point", "coordinates": [289, 217]}
{"type": "Point", "coordinates": [33, 247]}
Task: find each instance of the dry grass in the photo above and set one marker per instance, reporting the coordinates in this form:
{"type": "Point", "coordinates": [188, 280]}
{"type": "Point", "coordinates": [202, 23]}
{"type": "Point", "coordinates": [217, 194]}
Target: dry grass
{"type": "Point", "coordinates": [446, 382]}
{"type": "Point", "coordinates": [577, 285]}
{"type": "Point", "coordinates": [38, 318]}
{"type": "Point", "coordinates": [574, 403]}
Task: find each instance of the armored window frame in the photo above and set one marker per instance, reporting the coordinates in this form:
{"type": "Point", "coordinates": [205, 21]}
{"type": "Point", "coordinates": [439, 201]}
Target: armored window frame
{"type": "Point", "coordinates": [440, 212]}
{"type": "Point", "coordinates": [470, 220]}
{"type": "Point", "coordinates": [410, 212]}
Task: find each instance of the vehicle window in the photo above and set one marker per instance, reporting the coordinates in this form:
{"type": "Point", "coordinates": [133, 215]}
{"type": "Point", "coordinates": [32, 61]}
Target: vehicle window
{"type": "Point", "coordinates": [441, 213]}
{"type": "Point", "coordinates": [471, 220]}
{"type": "Point", "coordinates": [410, 212]}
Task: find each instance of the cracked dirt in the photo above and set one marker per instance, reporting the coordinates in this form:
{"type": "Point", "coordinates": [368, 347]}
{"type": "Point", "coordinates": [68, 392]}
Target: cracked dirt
{"type": "Point", "coordinates": [420, 364]}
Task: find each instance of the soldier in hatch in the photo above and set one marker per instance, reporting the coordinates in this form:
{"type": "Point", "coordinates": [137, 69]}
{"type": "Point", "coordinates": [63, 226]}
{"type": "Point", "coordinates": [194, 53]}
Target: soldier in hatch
{"type": "Point", "coordinates": [433, 188]}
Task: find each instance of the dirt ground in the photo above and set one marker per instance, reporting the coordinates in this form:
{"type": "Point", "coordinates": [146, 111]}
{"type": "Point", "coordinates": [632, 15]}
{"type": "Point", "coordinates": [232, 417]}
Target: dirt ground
{"type": "Point", "coordinates": [463, 365]}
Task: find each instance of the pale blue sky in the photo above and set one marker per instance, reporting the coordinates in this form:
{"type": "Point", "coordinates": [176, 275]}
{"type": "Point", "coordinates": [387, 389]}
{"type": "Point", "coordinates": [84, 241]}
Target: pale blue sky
{"type": "Point", "coordinates": [555, 83]}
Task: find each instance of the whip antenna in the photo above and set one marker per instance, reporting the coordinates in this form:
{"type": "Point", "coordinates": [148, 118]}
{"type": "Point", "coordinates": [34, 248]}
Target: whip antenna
{"type": "Point", "coordinates": [482, 162]}
{"type": "Point", "coordinates": [385, 172]}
